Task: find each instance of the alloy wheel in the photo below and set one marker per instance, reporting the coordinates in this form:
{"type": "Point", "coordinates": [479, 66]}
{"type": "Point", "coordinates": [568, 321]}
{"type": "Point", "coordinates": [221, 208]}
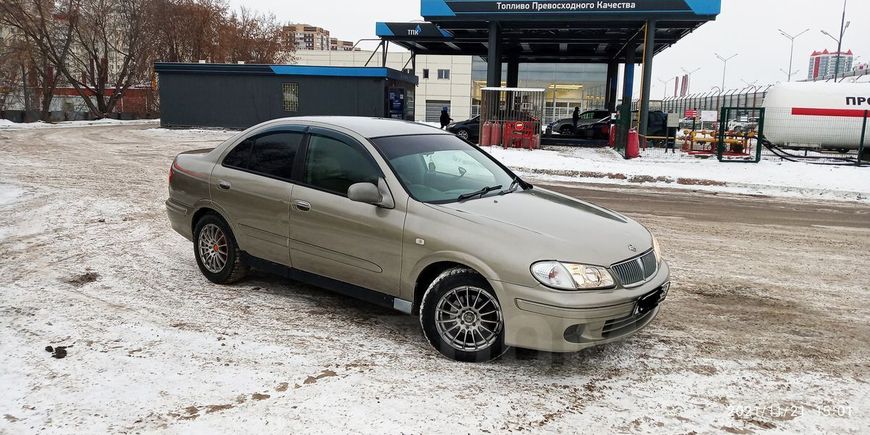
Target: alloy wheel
{"type": "Point", "coordinates": [468, 318]}
{"type": "Point", "coordinates": [213, 248]}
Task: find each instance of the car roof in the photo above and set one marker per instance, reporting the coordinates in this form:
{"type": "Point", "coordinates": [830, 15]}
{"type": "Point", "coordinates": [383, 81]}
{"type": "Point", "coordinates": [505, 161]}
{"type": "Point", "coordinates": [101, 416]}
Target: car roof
{"type": "Point", "coordinates": [366, 127]}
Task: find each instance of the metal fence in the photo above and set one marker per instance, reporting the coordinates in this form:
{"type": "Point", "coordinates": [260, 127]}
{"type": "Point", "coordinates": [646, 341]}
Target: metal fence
{"type": "Point", "coordinates": [751, 97]}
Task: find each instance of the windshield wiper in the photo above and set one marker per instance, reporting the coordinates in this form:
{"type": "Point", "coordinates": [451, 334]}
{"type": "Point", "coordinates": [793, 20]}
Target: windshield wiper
{"type": "Point", "coordinates": [512, 188]}
{"type": "Point", "coordinates": [480, 192]}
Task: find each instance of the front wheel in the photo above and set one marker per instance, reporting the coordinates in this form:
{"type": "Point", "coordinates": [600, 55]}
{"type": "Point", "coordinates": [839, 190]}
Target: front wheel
{"type": "Point", "coordinates": [462, 318]}
{"type": "Point", "coordinates": [463, 134]}
{"type": "Point", "coordinates": [217, 253]}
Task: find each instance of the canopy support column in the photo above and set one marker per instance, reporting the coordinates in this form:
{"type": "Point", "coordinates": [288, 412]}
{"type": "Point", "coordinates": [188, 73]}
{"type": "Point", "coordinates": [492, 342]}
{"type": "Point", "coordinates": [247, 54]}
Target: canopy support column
{"type": "Point", "coordinates": [612, 85]}
{"type": "Point", "coordinates": [493, 56]}
{"type": "Point", "coordinates": [648, 53]}
{"type": "Point", "coordinates": [627, 95]}
{"type": "Point", "coordinates": [513, 72]}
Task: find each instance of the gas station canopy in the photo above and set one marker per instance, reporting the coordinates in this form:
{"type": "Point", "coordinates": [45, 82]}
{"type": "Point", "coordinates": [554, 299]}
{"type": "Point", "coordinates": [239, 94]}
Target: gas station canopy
{"type": "Point", "coordinates": [548, 31]}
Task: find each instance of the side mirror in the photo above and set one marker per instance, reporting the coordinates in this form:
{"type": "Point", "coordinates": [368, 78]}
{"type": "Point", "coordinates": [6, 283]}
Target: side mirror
{"type": "Point", "coordinates": [370, 193]}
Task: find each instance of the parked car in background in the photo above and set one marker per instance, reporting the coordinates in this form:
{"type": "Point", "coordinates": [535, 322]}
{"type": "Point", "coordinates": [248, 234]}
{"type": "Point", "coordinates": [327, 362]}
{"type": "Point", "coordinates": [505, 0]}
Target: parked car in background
{"type": "Point", "coordinates": [566, 126]}
{"type": "Point", "coordinates": [468, 129]}
{"type": "Point", "coordinates": [413, 218]}
{"type": "Point", "coordinates": [598, 130]}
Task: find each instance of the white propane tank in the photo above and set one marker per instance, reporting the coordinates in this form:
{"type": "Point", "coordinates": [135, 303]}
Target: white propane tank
{"type": "Point", "coordinates": [817, 114]}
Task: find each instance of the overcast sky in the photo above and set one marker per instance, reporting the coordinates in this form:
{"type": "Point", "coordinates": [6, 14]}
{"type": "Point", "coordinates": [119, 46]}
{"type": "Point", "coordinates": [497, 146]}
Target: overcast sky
{"type": "Point", "coordinates": [746, 27]}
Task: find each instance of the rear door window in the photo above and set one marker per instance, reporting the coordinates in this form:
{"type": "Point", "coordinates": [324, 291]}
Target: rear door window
{"type": "Point", "coordinates": [240, 155]}
{"type": "Point", "coordinates": [273, 154]}
{"type": "Point", "coordinates": [270, 154]}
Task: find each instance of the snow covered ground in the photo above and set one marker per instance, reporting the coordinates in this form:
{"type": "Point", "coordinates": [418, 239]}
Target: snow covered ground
{"type": "Point", "coordinates": [681, 171]}
{"type": "Point", "coordinates": [766, 329]}
{"type": "Point", "coordinates": [6, 124]}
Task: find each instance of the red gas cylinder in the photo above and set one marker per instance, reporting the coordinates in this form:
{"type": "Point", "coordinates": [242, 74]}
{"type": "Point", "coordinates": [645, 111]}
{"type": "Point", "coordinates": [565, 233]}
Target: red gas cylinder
{"type": "Point", "coordinates": [507, 134]}
{"type": "Point", "coordinates": [632, 149]}
{"type": "Point", "coordinates": [611, 140]}
{"type": "Point", "coordinates": [485, 134]}
{"type": "Point", "coordinates": [536, 141]}
{"type": "Point", "coordinates": [494, 133]}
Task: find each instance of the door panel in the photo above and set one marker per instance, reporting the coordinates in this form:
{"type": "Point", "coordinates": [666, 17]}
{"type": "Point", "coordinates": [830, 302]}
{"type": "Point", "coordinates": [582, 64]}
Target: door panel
{"type": "Point", "coordinates": [253, 187]}
{"type": "Point", "coordinates": [357, 243]}
{"type": "Point", "coordinates": [259, 208]}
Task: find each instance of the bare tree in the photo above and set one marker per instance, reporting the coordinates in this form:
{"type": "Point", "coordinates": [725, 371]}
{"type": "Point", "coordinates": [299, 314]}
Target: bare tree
{"type": "Point", "coordinates": [27, 48]}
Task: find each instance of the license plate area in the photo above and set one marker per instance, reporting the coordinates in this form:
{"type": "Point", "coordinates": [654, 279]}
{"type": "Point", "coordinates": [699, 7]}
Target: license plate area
{"type": "Point", "coordinates": [650, 301]}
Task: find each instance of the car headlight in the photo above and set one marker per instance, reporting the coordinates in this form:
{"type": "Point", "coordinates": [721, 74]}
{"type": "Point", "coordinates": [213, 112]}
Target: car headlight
{"type": "Point", "coordinates": [571, 276]}
{"type": "Point", "coordinates": [657, 249]}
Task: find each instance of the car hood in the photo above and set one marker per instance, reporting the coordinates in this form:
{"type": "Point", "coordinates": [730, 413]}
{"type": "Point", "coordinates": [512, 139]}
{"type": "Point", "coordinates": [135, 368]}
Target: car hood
{"type": "Point", "coordinates": [545, 225]}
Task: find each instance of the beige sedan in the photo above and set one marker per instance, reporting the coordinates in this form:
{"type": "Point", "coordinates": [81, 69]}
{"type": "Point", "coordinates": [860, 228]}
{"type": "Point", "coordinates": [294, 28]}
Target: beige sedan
{"type": "Point", "coordinates": [412, 217]}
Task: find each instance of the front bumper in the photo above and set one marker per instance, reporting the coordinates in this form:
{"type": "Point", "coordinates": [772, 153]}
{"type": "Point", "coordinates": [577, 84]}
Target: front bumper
{"type": "Point", "coordinates": [553, 321]}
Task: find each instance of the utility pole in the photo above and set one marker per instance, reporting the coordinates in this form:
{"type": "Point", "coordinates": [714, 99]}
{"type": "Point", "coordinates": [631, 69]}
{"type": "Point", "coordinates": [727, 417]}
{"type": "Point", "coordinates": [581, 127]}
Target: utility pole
{"type": "Point", "coordinates": [665, 84]}
{"type": "Point", "coordinates": [843, 26]}
{"type": "Point", "coordinates": [725, 66]}
{"type": "Point", "coordinates": [791, 56]}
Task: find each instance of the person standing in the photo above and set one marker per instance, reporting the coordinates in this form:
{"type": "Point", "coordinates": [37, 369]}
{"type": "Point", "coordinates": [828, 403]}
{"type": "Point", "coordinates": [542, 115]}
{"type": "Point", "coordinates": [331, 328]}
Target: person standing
{"type": "Point", "coordinates": [445, 118]}
{"type": "Point", "coordinates": [575, 118]}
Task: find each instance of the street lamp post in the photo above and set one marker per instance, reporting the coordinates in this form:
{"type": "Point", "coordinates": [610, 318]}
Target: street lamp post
{"type": "Point", "coordinates": [665, 84]}
{"type": "Point", "coordinates": [843, 26]}
{"type": "Point", "coordinates": [791, 56]}
{"type": "Point", "coordinates": [725, 66]}
{"type": "Point", "coordinates": [689, 75]}
{"type": "Point", "coordinates": [789, 73]}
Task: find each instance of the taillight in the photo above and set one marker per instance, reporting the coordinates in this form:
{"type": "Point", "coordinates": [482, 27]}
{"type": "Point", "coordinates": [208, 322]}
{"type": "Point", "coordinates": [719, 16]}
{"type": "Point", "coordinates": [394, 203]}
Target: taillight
{"type": "Point", "coordinates": [171, 172]}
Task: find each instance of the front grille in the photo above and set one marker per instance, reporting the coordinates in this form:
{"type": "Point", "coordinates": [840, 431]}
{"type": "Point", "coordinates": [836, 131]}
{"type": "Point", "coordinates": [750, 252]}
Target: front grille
{"type": "Point", "coordinates": [637, 270]}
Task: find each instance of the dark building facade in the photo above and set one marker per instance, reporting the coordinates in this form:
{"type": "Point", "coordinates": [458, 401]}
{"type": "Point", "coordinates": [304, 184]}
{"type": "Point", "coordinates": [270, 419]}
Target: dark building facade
{"type": "Point", "coordinates": [240, 96]}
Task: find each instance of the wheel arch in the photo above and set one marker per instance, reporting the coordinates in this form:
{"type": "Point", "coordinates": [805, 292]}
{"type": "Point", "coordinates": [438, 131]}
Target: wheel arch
{"type": "Point", "coordinates": [427, 270]}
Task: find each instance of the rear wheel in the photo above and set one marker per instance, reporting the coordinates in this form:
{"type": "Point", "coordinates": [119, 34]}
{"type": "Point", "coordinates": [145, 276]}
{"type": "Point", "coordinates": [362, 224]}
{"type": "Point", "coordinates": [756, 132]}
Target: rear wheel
{"type": "Point", "coordinates": [217, 254]}
{"type": "Point", "coordinates": [462, 317]}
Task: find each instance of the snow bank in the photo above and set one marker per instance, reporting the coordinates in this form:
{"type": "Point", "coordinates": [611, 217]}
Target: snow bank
{"type": "Point", "coordinates": [6, 124]}
{"type": "Point", "coordinates": [773, 178]}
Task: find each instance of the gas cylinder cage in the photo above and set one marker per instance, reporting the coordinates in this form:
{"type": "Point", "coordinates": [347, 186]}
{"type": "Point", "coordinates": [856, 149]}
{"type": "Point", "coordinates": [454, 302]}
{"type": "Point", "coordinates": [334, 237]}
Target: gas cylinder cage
{"type": "Point", "coordinates": [507, 115]}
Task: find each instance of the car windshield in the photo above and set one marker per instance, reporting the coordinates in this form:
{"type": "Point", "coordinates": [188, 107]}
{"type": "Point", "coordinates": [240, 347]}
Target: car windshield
{"type": "Point", "coordinates": [443, 168]}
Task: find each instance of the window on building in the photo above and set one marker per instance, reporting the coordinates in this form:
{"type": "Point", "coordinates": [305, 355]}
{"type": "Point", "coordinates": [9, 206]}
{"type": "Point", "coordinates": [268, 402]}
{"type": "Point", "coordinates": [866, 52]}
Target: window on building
{"type": "Point", "coordinates": [444, 74]}
{"type": "Point", "coordinates": [426, 73]}
{"type": "Point", "coordinates": [334, 166]}
{"type": "Point", "coordinates": [291, 97]}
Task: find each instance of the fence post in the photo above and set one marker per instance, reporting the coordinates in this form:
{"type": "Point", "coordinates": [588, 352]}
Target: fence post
{"type": "Point", "coordinates": [863, 137]}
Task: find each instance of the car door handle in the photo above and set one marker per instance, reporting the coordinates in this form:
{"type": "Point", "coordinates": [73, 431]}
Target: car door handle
{"type": "Point", "coordinates": [225, 185]}
{"type": "Point", "coordinates": [302, 205]}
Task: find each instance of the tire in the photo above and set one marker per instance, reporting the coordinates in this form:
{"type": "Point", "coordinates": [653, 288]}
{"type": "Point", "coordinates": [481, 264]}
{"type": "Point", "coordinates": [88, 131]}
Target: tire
{"type": "Point", "coordinates": [217, 253]}
{"type": "Point", "coordinates": [460, 302]}
{"type": "Point", "coordinates": [463, 134]}
{"type": "Point", "coordinates": [566, 130]}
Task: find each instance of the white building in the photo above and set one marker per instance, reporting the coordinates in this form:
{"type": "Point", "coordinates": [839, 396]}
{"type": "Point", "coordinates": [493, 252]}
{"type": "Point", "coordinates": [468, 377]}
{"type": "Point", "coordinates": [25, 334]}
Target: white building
{"type": "Point", "coordinates": [455, 81]}
{"type": "Point", "coordinates": [444, 81]}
